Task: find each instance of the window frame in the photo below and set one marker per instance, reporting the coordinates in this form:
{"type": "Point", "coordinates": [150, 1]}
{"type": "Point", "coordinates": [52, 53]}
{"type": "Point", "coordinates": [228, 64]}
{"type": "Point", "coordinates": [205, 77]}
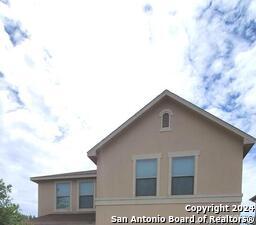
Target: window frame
{"type": "Point", "coordinates": [70, 196]}
{"type": "Point", "coordinates": [172, 155]}
{"type": "Point", "coordinates": [161, 114]}
{"type": "Point", "coordinates": [78, 195]}
{"type": "Point", "coordinates": [142, 157]}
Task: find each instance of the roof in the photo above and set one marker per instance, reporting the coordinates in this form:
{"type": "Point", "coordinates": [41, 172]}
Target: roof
{"type": "Point", "coordinates": [80, 174]}
{"type": "Point", "coordinates": [253, 199]}
{"type": "Point", "coordinates": [248, 140]}
{"type": "Point", "coordinates": [65, 219]}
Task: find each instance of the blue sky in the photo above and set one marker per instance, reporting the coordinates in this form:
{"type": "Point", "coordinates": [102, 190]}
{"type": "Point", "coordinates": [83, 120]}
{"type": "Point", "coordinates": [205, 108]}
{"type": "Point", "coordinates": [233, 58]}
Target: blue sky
{"type": "Point", "coordinates": [63, 63]}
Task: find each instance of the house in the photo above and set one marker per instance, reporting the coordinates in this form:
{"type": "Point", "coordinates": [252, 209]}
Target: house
{"type": "Point", "coordinates": [66, 198]}
{"type": "Point", "coordinates": [168, 155]}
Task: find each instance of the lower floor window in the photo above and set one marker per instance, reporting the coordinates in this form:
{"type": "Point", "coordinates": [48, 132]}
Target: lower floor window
{"type": "Point", "coordinates": [86, 194]}
{"type": "Point", "coordinates": [62, 195]}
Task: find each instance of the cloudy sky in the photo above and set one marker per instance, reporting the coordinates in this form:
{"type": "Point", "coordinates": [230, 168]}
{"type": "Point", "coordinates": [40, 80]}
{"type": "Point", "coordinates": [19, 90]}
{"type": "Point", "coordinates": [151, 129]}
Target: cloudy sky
{"type": "Point", "coordinates": [65, 64]}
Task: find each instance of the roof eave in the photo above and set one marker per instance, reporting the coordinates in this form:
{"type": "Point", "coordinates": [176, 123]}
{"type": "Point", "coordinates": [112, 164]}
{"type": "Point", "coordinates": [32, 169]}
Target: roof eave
{"type": "Point", "coordinates": [247, 139]}
{"type": "Point", "coordinates": [38, 179]}
{"type": "Point", "coordinates": [253, 199]}
{"type": "Point", "coordinates": [247, 148]}
{"type": "Point", "coordinates": [93, 157]}
{"type": "Point", "coordinates": [90, 174]}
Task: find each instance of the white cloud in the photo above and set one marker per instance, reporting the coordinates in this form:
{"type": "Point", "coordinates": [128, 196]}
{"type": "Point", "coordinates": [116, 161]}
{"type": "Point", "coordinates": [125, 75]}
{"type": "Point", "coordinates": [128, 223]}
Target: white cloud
{"type": "Point", "coordinates": [88, 57]}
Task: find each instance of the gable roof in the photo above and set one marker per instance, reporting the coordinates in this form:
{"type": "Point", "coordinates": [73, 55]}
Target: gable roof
{"type": "Point", "coordinates": [248, 140]}
{"type": "Point", "coordinates": [73, 175]}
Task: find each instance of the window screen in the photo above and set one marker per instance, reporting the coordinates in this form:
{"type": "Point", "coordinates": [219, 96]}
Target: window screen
{"type": "Point", "coordinates": [86, 194]}
{"type": "Point", "coordinates": [183, 170]}
{"type": "Point", "coordinates": [62, 195]}
{"type": "Point", "coordinates": [146, 177]}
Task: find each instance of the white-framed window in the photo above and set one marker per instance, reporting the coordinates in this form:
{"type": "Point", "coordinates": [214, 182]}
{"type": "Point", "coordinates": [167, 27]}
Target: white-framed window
{"type": "Point", "coordinates": [166, 120]}
{"type": "Point", "coordinates": [183, 172]}
{"type": "Point", "coordinates": [86, 194]}
{"type": "Point", "coordinates": [63, 195]}
{"type": "Point", "coordinates": [146, 175]}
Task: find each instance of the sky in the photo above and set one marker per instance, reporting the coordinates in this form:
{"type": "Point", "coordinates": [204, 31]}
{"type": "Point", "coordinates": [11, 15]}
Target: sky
{"type": "Point", "coordinates": [66, 64]}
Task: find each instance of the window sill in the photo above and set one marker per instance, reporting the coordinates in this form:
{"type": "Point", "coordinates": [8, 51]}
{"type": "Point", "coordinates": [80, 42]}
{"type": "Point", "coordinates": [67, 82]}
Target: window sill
{"type": "Point", "coordinates": [168, 197]}
{"type": "Point", "coordinates": [146, 197]}
{"type": "Point", "coordinates": [165, 129]}
{"type": "Point", "coordinates": [86, 210]}
{"type": "Point", "coordinates": [68, 210]}
{"type": "Point", "coordinates": [182, 196]}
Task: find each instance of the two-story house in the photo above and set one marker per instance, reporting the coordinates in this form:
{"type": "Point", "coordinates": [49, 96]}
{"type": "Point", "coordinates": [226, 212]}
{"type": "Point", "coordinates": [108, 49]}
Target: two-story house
{"type": "Point", "coordinates": [168, 155]}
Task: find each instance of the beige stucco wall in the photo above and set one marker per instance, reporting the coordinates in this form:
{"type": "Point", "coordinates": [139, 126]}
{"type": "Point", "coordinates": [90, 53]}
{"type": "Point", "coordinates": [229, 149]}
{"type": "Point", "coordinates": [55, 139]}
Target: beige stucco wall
{"type": "Point", "coordinates": [47, 197]}
{"type": "Point", "coordinates": [219, 162]}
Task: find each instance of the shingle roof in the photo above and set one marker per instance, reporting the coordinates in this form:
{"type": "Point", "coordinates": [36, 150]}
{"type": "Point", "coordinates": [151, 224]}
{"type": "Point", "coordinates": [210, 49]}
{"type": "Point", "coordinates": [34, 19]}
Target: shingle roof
{"type": "Point", "coordinates": [65, 219]}
{"type": "Point", "coordinates": [79, 174]}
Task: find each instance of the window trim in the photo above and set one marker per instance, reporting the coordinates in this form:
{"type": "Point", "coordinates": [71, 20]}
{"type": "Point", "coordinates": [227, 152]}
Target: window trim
{"type": "Point", "coordinates": [78, 196]}
{"type": "Point", "coordinates": [171, 155]}
{"type": "Point", "coordinates": [170, 120]}
{"type": "Point", "coordinates": [141, 157]}
{"type": "Point", "coordinates": [70, 196]}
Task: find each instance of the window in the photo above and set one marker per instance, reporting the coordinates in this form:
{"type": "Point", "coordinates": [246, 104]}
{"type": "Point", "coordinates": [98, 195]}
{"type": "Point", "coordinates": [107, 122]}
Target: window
{"type": "Point", "coordinates": [146, 177]}
{"type": "Point", "coordinates": [165, 116]}
{"type": "Point", "coordinates": [86, 194]}
{"type": "Point", "coordinates": [165, 120]}
{"type": "Point", "coordinates": [62, 195]}
{"type": "Point", "coordinates": [183, 172]}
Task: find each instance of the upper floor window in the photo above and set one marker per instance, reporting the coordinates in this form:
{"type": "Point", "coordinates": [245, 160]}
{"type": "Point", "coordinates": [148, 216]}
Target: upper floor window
{"type": "Point", "coordinates": [63, 195]}
{"type": "Point", "coordinates": [146, 177]}
{"type": "Point", "coordinates": [86, 194]}
{"type": "Point", "coordinates": [183, 172]}
{"type": "Point", "coordinates": [165, 116]}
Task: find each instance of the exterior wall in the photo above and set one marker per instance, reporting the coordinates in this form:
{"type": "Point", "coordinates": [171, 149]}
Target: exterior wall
{"type": "Point", "coordinates": [219, 169]}
{"type": "Point", "coordinates": [47, 197]}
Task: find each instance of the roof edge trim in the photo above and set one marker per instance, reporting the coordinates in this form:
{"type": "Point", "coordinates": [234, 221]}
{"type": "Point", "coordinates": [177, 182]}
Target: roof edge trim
{"type": "Point", "coordinates": [248, 139]}
{"type": "Point", "coordinates": [91, 174]}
